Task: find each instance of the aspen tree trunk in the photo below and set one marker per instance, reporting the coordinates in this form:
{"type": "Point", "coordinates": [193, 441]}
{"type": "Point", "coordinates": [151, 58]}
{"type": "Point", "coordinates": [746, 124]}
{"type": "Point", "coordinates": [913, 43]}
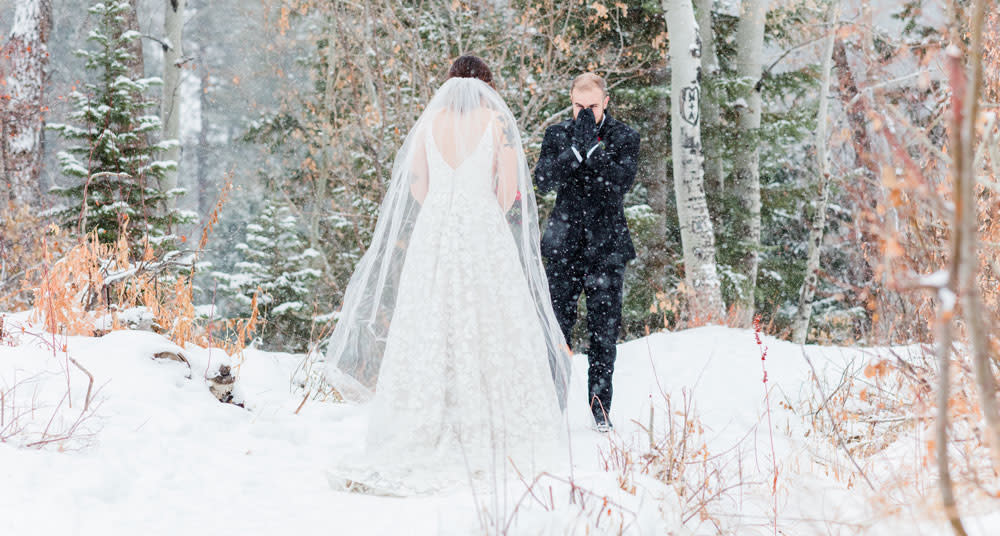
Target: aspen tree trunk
{"type": "Point", "coordinates": [709, 105]}
{"type": "Point", "coordinates": [204, 184]}
{"type": "Point", "coordinates": [700, 274]}
{"type": "Point", "coordinates": [746, 161]}
{"type": "Point", "coordinates": [800, 326]}
{"type": "Point", "coordinates": [173, 25]}
{"type": "Point", "coordinates": [201, 29]}
{"type": "Point", "coordinates": [24, 114]}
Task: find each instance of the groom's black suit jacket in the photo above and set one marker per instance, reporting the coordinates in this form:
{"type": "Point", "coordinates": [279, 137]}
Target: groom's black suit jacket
{"type": "Point", "coordinates": [588, 221]}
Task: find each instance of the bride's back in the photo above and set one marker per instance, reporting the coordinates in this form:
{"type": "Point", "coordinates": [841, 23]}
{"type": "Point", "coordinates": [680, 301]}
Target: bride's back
{"type": "Point", "coordinates": [464, 136]}
{"type": "Point", "coordinates": [457, 134]}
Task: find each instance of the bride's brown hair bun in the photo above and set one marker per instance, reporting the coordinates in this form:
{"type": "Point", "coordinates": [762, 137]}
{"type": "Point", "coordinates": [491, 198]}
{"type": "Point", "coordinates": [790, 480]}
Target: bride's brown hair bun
{"type": "Point", "coordinates": [469, 66]}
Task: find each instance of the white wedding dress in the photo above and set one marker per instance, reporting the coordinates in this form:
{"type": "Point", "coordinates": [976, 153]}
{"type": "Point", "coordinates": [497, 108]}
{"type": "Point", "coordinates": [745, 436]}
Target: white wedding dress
{"type": "Point", "coordinates": [470, 374]}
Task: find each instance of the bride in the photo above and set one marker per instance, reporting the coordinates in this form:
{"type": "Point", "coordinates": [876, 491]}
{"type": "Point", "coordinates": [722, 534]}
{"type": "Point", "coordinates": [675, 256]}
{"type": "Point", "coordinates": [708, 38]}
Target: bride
{"type": "Point", "coordinates": [447, 327]}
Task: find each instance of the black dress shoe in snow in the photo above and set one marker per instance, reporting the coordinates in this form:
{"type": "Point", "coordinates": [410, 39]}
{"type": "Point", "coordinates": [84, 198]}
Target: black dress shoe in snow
{"type": "Point", "coordinates": [602, 425]}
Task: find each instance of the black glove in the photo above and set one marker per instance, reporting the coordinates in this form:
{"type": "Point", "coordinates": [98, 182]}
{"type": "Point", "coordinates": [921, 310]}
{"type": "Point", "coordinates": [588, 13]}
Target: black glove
{"type": "Point", "coordinates": [567, 159]}
{"type": "Point", "coordinates": [585, 130]}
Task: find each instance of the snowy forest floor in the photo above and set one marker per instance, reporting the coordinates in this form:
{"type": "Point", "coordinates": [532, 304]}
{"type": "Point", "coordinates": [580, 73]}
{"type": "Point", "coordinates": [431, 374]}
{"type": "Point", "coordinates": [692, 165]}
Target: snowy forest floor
{"type": "Point", "coordinates": [156, 453]}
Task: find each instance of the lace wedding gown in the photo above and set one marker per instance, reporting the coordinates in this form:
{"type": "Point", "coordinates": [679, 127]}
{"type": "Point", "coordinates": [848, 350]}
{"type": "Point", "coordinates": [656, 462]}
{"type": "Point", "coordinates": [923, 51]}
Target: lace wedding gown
{"type": "Point", "coordinates": [465, 389]}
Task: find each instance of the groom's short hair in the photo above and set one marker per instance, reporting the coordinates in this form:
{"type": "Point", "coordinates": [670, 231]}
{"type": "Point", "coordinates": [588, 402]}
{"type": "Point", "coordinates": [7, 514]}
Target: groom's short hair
{"type": "Point", "coordinates": [587, 81]}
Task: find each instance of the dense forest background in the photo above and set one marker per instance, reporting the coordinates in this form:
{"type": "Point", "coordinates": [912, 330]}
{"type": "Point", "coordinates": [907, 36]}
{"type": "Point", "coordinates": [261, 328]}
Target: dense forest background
{"type": "Point", "coordinates": [289, 112]}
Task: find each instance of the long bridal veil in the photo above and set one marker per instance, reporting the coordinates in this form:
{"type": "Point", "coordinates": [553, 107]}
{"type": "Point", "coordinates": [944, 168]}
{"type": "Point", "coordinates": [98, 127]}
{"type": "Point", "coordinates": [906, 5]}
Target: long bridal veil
{"type": "Point", "coordinates": [464, 114]}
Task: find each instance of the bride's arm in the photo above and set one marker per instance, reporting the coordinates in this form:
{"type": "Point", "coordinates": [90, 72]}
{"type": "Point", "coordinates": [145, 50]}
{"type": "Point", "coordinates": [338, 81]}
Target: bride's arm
{"type": "Point", "coordinates": [506, 164]}
{"type": "Point", "coordinates": [418, 169]}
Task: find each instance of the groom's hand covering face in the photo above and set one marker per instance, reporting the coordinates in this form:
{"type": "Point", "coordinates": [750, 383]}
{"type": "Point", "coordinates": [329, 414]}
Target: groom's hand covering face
{"type": "Point", "coordinates": [589, 98]}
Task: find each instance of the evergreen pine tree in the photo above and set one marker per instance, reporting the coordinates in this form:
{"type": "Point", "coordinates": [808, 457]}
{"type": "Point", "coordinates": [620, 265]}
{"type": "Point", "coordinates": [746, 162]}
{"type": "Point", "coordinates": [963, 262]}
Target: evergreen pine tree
{"type": "Point", "coordinates": [276, 259]}
{"type": "Point", "coordinates": [114, 167]}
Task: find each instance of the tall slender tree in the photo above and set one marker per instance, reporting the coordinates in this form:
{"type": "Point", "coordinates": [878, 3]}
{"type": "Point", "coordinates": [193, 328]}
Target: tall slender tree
{"type": "Point", "coordinates": [697, 238]}
{"type": "Point", "coordinates": [24, 113]}
{"type": "Point", "coordinates": [714, 175]}
{"type": "Point", "coordinates": [170, 113]}
{"type": "Point", "coordinates": [746, 161]}
{"type": "Point", "coordinates": [966, 224]}
{"type": "Point", "coordinates": [800, 325]}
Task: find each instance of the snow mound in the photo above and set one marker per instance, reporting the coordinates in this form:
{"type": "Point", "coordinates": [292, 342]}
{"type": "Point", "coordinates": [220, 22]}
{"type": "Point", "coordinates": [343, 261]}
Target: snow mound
{"type": "Point", "coordinates": [159, 454]}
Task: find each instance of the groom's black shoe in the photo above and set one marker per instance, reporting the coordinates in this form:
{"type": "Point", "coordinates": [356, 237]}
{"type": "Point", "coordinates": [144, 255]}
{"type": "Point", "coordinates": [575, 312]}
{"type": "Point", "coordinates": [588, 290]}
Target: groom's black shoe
{"type": "Point", "coordinates": [602, 425]}
{"type": "Point", "coordinates": [601, 421]}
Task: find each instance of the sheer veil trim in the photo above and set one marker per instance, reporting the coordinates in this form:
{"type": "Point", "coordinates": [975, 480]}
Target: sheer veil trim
{"type": "Point", "coordinates": [461, 108]}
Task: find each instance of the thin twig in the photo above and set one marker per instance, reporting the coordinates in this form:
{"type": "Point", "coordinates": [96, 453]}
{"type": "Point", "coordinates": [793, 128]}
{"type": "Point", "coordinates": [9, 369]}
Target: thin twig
{"type": "Point", "coordinates": [303, 403]}
{"type": "Point", "coordinates": [90, 384]}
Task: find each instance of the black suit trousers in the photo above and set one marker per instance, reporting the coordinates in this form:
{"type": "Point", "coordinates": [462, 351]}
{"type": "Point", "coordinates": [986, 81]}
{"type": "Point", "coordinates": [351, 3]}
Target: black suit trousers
{"type": "Point", "coordinates": [602, 285]}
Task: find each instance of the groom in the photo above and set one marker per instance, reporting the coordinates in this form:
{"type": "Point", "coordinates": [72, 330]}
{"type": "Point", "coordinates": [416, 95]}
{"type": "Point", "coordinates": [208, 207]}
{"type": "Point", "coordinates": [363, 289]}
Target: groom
{"type": "Point", "coordinates": [591, 162]}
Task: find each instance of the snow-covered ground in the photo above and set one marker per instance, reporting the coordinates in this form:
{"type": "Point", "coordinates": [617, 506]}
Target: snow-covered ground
{"type": "Point", "coordinates": [158, 454]}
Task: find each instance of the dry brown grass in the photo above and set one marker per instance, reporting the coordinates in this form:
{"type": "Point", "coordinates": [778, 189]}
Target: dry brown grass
{"type": "Point", "coordinates": [21, 235]}
{"type": "Point", "coordinates": [884, 408]}
{"type": "Point", "coordinates": [676, 454]}
{"type": "Point", "coordinates": [86, 288]}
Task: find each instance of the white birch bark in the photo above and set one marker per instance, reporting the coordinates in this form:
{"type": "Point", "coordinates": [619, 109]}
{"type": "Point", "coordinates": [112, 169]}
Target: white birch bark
{"type": "Point", "coordinates": [746, 183]}
{"type": "Point", "coordinates": [173, 25]}
{"type": "Point", "coordinates": [800, 326]}
{"type": "Point", "coordinates": [24, 114]}
{"type": "Point", "coordinates": [709, 105]}
{"type": "Point", "coordinates": [698, 241]}
{"type": "Point", "coordinates": [201, 151]}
